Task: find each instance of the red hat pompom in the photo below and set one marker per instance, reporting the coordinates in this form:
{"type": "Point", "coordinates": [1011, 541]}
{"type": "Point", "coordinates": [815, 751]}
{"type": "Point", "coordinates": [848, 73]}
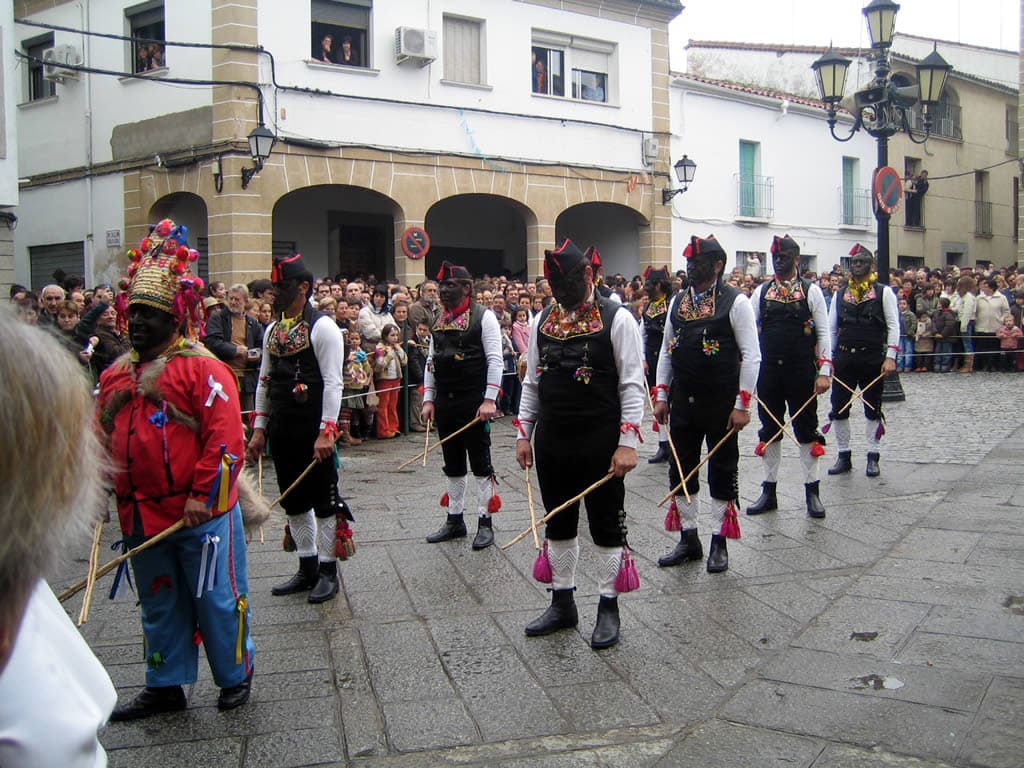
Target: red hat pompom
{"type": "Point", "coordinates": [134, 255]}
{"type": "Point", "coordinates": [131, 271]}
{"type": "Point", "coordinates": [193, 254]}
{"type": "Point", "coordinates": [124, 284]}
{"type": "Point", "coordinates": [179, 267]}
{"type": "Point", "coordinates": [182, 253]}
{"type": "Point", "coordinates": [163, 229]}
{"type": "Point", "coordinates": [146, 244]}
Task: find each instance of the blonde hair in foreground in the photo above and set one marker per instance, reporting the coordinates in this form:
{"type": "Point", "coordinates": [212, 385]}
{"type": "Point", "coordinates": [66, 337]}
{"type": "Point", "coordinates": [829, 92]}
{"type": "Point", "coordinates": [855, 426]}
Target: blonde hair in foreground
{"type": "Point", "coordinates": [50, 465]}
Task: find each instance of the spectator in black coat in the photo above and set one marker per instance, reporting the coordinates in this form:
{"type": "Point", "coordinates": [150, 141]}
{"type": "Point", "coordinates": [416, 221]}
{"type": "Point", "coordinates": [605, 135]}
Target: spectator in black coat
{"type": "Point", "coordinates": [237, 338]}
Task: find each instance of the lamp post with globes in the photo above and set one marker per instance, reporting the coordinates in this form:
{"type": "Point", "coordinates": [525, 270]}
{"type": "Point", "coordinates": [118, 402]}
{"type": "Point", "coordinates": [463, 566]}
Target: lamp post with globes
{"type": "Point", "coordinates": [882, 109]}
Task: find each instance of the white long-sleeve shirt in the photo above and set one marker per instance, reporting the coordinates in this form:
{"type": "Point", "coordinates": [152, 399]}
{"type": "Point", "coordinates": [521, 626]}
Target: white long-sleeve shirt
{"type": "Point", "coordinates": [741, 317]}
{"type": "Point", "coordinates": [490, 337]}
{"type": "Point", "coordinates": [819, 314]}
{"type": "Point", "coordinates": [329, 346]}
{"type": "Point", "coordinates": [892, 321]}
{"type": "Point", "coordinates": [627, 349]}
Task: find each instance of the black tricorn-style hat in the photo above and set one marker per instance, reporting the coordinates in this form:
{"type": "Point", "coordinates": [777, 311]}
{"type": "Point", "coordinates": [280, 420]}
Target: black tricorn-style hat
{"type": "Point", "coordinates": [451, 271]}
{"type": "Point", "coordinates": [704, 246]}
{"type": "Point", "coordinates": [561, 261]}
{"type": "Point", "coordinates": [860, 250]}
{"type": "Point", "coordinates": [288, 267]}
{"type": "Point", "coordinates": [659, 275]}
{"type": "Point", "coordinates": [785, 244]}
{"type": "Point", "coordinates": [593, 256]}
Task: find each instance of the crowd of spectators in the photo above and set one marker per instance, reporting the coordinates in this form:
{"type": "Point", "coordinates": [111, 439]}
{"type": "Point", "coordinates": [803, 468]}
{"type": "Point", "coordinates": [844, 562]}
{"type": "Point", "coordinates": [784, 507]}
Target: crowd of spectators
{"type": "Point", "coordinates": [951, 319]}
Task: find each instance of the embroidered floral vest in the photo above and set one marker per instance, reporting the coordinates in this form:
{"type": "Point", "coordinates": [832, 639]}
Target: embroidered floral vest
{"type": "Point", "coordinates": [654, 327]}
{"type": "Point", "coordinates": [460, 364]}
{"type": "Point", "coordinates": [293, 362]}
{"type": "Point", "coordinates": [862, 324]}
{"type": "Point", "coordinates": [705, 356]}
{"type": "Point", "coordinates": [787, 331]}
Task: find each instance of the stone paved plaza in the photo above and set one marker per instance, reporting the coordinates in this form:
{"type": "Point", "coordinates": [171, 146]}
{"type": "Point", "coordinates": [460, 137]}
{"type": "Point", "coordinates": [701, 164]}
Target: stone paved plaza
{"type": "Point", "coordinates": [890, 633]}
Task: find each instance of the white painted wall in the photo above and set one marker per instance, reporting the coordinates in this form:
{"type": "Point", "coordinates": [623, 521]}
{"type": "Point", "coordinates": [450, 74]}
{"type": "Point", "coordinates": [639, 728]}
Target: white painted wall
{"type": "Point", "coordinates": [9, 96]}
{"type": "Point", "coordinates": [796, 150]}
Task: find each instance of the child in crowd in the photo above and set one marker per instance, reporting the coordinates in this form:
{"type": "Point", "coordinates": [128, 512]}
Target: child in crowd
{"type": "Point", "coordinates": [356, 377]}
{"type": "Point", "coordinates": [419, 346]}
{"type": "Point", "coordinates": [1009, 341]}
{"type": "Point", "coordinates": [945, 328]}
{"type": "Point", "coordinates": [521, 330]}
{"type": "Point", "coordinates": [924, 344]}
{"type": "Point", "coordinates": [908, 330]}
{"type": "Point", "coordinates": [510, 387]}
{"type": "Point", "coordinates": [389, 358]}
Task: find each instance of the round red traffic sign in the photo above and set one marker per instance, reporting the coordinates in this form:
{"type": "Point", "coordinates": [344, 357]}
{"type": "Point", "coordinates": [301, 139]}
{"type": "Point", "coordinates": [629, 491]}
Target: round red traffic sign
{"type": "Point", "coordinates": [888, 189]}
{"type": "Point", "coordinates": [415, 242]}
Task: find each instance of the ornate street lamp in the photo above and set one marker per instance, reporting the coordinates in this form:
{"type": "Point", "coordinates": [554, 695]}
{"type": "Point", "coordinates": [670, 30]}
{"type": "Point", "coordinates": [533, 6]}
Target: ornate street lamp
{"type": "Point", "coordinates": [685, 170]}
{"type": "Point", "coordinates": [882, 108]}
{"type": "Point", "coordinates": [261, 141]}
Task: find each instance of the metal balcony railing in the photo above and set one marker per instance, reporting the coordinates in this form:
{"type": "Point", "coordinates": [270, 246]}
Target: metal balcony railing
{"type": "Point", "coordinates": [856, 207]}
{"type": "Point", "coordinates": [755, 196]}
{"type": "Point", "coordinates": [945, 121]}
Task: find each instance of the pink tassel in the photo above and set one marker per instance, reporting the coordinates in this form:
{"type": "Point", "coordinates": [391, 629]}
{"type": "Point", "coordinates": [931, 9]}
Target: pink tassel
{"type": "Point", "coordinates": [672, 522]}
{"type": "Point", "coordinates": [880, 431]}
{"type": "Point", "coordinates": [759, 449]}
{"type": "Point", "coordinates": [542, 566]}
{"type": "Point", "coordinates": [826, 428]}
{"type": "Point", "coordinates": [444, 499]}
{"type": "Point", "coordinates": [627, 580]}
{"type": "Point", "coordinates": [731, 523]}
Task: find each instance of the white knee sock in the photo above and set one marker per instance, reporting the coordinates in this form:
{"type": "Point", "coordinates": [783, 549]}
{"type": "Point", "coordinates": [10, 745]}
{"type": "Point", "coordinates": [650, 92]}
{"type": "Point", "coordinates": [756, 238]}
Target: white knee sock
{"type": "Point", "coordinates": [325, 535]}
{"type": "Point", "coordinates": [718, 507]}
{"type": "Point", "coordinates": [609, 561]}
{"type": "Point", "coordinates": [563, 556]}
{"type": "Point", "coordinates": [483, 495]}
{"type": "Point", "coordinates": [871, 434]}
{"type": "Point", "coordinates": [303, 528]}
{"type": "Point", "coordinates": [688, 512]}
{"type": "Point", "coordinates": [809, 463]}
{"type": "Point", "coordinates": [841, 429]}
{"type": "Point", "coordinates": [772, 459]}
{"type": "Point", "coordinates": [456, 495]}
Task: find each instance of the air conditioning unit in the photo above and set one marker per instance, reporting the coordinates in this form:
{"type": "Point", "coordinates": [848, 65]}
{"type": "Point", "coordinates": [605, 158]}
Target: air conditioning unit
{"type": "Point", "coordinates": [419, 45]}
{"type": "Point", "coordinates": [56, 61]}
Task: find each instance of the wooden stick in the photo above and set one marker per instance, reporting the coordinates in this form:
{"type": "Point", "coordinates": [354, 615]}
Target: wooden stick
{"type": "Point", "coordinates": [704, 461]}
{"type": "Point", "coordinates": [533, 514]}
{"type": "Point", "coordinates": [558, 509]}
{"type": "Point", "coordinates": [779, 424]}
{"type": "Point", "coordinates": [791, 419]}
{"type": "Point", "coordinates": [90, 579]}
{"type": "Point", "coordinates": [259, 478]}
{"type": "Point", "coordinates": [426, 441]}
{"type": "Point", "coordinates": [438, 444]}
{"type": "Point", "coordinates": [294, 485]}
{"type": "Point", "coordinates": [108, 567]}
{"type": "Point", "coordinates": [671, 446]}
{"type": "Point", "coordinates": [856, 394]}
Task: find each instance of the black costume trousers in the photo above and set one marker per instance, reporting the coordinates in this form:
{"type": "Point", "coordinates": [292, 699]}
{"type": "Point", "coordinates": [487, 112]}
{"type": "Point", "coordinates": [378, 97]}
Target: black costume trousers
{"type": "Point", "coordinates": [857, 367]}
{"type": "Point", "coordinates": [292, 437]}
{"type": "Point", "coordinates": [784, 383]}
{"type": "Point", "coordinates": [697, 418]}
{"type": "Point", "coordinates": [568, 460]}
{"type": "Point", "coordinates": [452, 411]}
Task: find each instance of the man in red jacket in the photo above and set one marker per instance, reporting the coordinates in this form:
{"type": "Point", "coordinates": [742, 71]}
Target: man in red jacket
{"type": "Point", "coordinates": [170, 411]}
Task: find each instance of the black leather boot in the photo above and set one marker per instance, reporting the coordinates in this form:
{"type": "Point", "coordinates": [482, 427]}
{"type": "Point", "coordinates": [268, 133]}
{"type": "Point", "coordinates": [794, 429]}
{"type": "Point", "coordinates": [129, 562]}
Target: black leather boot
{"type": "Point", "coordinates": [561, 614]}
{"type": "Point", "coordinates": [454, 528]}
{"type": "Point", "coordinates": [303, 581]}
{"type": "Point", "coordinates": [842, 465]}
{"type": "Point", "coordinates": [236, 695]}
{"type": "Point", "coordinates": [484, 533]}
{"type": "Point", "coordinates": [718, 554]}
{"type": "Point", "coordinates": [766, 502]}
{"type": "Point", "coordinates": [606, 630]}
{"type": "Point", "coordinates": [814, 506]}
{"type": "Point", "coordinates": [871, 469]}
{"type": "Point", "coordinates": [688, 548]}
{"type": "Point", "coordinates": [151, 701]}
{"type": "Point", "coordinates": [327, 586]}
{"type": "Point", "coordinates": [661, 455]}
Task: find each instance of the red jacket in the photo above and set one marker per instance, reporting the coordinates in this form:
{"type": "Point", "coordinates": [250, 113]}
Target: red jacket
{"type": "Point", "coordinates": [147, 485]}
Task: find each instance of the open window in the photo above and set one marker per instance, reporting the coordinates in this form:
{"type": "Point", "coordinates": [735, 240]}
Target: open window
{"type": "Point", "coordinates": [37, 87]}
{"type": "Point", "coordinates": [145, 25]}
{"type": "Point", "coordinates": [573, 67]}
{"type": "Point", "coordinates": [341, 32]}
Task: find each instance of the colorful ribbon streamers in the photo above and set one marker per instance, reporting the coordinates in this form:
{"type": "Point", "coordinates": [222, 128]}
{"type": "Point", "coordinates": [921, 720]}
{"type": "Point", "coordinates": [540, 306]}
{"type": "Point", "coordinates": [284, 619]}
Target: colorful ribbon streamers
{"type": "Point", "coordinates": [220, 493]}
{"type": "Point", "coordinates": [122, 569]}
{"type": "Point", "coordinates": [242, 606]}
{"type": "Point", "coordinates": [207, 564]}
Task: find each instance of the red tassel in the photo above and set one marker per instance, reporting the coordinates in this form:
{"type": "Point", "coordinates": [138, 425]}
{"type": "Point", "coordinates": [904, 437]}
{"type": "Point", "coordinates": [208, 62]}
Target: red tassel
{"type": "Point", "coordinates": [197, 638]}
{"type": "Point", "coordinates": [731, 523]}
{"type": "Point", "coordinates": [288, 543]}
{"type": "Point", "coordinates": [817, 450]}
{"type": "Point", "coordinates": [627, 579]}
{"type": "Point", "coordinates": [880, 431]}
{"type": "Point", "coordinates": [656, 427]}
{"type": "Point", "coordinates": [542, 566]}
{"type": "Point", "coordinates": [759, 449]}
{"type": "Point", "coordinates": [444, 499]}
{"type": "Point", "coordinates": [494, 504]}
{"type": "Point", "coordinates": [672, 522]}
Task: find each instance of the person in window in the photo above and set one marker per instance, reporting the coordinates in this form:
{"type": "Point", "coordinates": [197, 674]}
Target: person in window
{"type": "Point", "coordinates": [156, 56]}
{"type": "Point", "coordinates": [915, 200]}
{"type": "Point", "coordinates": [348, 56]}
{"type": "Point", "coordinates": [591, 89]}
{"type": "Point", "coordinates": [142, 59]}
{"type": "Point", "coordinates": [324, 54]}
{"type": "Point", "coordinates": [540, 77]}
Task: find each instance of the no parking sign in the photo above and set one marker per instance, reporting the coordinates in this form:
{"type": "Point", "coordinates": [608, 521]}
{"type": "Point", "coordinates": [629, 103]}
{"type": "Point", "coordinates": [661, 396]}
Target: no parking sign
{"type": "Point", "coordinates": [888, 189]}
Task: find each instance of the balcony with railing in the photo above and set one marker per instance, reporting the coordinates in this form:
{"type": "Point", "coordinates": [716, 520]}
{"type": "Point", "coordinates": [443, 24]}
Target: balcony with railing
{"type": "Point", "coordinates": [982, 218]}
{"type": "Point", "coordinates": [945, 121]}
{"type": "Point", "coordinates": [755, 197]}
{"type": "Point", "coordinates": [855, 205]}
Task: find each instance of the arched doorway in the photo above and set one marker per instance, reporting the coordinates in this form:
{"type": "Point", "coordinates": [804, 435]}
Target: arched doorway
{"type": "Point", "coordinates": [190, 210]}
{"type": "Point", "coordinates": [485, 233]}
{"type": "Point", "coordinates": [614, 229]}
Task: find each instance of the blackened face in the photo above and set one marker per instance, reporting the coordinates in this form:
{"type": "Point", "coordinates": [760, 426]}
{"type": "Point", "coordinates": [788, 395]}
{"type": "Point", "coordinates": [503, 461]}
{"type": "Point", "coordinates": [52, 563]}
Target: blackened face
{"type": "Point", "coordinates": [784, 263]}
{"type": "Point", "coordinates": [453, 293]}
{"type": "Point", "coordinates": [700, 271]}
{"type": "Point", "coordinates": [860, 267]}
{"type": "Point", "coordinates": [150, 330]}
{"type": "Point", "coordinates": [285, 293]}
{"type": "Point", "coordinates": [571, 289]}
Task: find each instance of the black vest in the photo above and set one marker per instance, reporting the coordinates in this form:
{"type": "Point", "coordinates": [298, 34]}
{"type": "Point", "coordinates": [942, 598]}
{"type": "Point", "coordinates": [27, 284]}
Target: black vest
{"type": "Point", "coordinates": [654, 332]}
{"type": "Point", "coordinates": [786, 329]}
{"type": "Point", "coordinates": [862, 324]}
{"type": "Point", "coordinates": [578, 379]}
{"type": "Point", "coordinates": [705, 355]}
{"type": "Point", "coordinates": [459, 362]}
{"type": "Point", "coordinates": [292, 362]}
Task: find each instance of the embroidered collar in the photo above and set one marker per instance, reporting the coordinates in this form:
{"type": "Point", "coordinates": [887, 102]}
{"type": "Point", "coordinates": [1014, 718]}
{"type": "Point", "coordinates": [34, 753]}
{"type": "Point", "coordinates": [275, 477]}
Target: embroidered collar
{"type": "Point", "coordinates": [449, 317]}
{"type": "Point", "coordinates": [562, 324]}
{"type": "Point", "coordinates": [785, 290]}
{"type": "Point", "coordinates": [859, 291]}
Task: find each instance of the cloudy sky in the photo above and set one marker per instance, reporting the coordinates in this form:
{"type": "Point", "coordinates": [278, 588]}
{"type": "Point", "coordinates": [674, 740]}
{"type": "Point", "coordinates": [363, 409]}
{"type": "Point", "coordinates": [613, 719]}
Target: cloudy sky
{"type": "Point", "coordinates": [992, 23]}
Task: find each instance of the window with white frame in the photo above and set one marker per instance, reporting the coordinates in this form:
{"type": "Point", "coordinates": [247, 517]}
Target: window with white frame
{"type": "Point", "coordinates": [145, 25]}
{"type": "Point", "coordinates": [463, 50]}
{"type": "Point", "coordinates": [574, 67]}
{"type": "Point", "coordinates": [36, 86]}
{"type": "Point", "coordinates": [340, 32]}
